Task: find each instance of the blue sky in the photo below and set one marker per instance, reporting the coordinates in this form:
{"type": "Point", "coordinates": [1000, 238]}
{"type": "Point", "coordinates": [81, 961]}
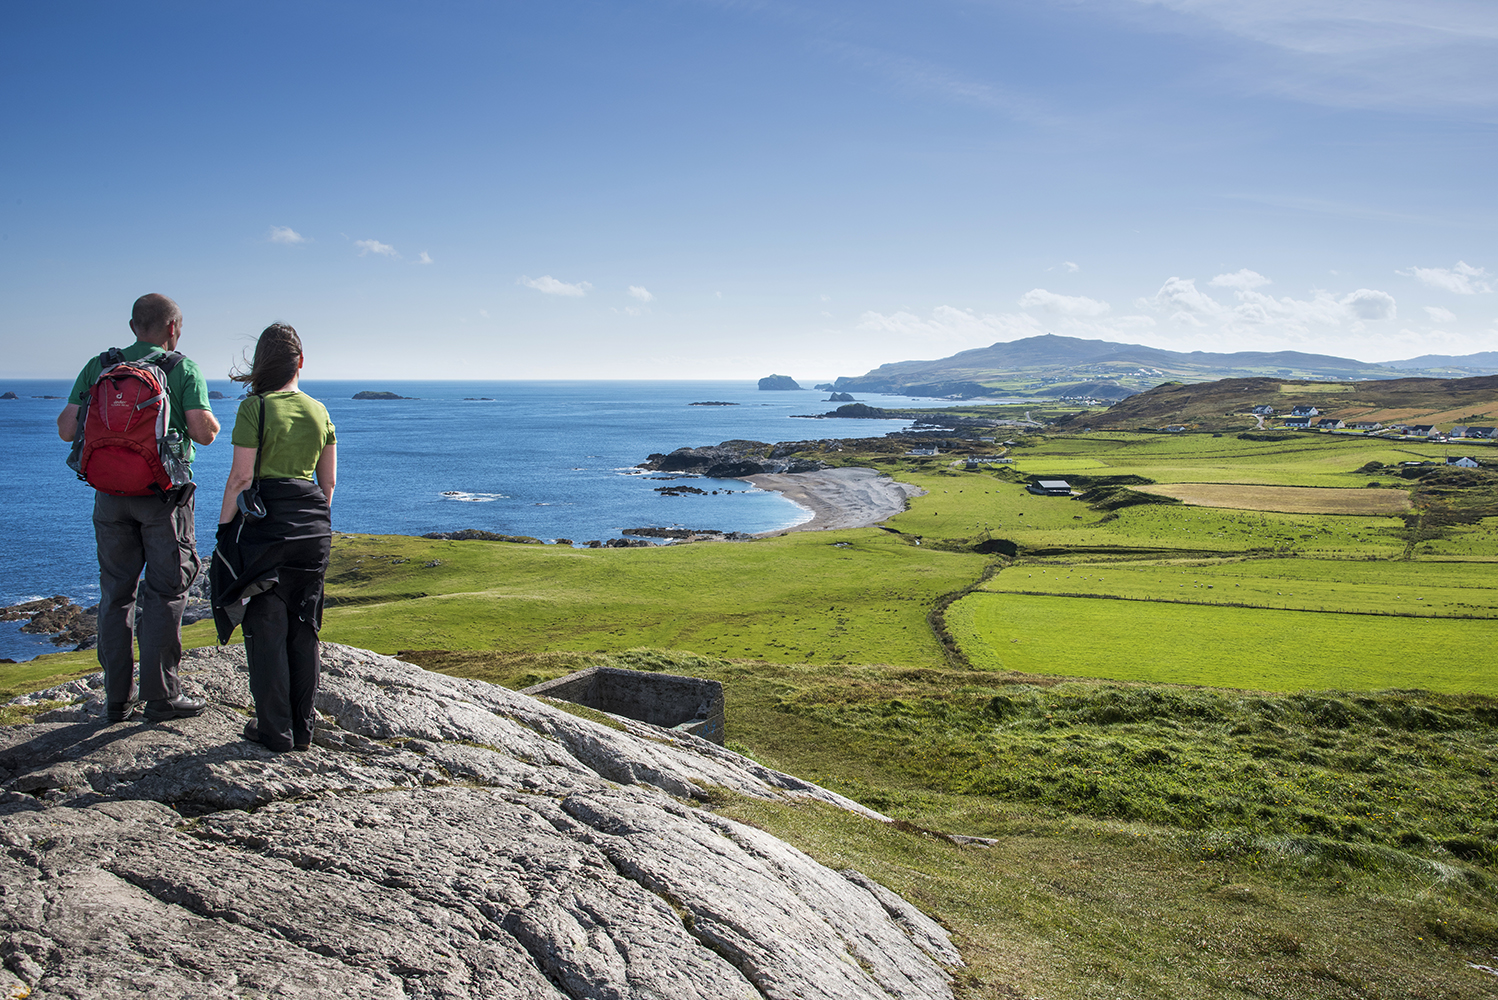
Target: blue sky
{"type": "Point", "coordinates": [700, 189]}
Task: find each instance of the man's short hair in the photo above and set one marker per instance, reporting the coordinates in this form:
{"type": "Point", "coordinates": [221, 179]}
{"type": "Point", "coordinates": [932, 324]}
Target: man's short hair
{"type": "Point", "coordinates": [153, 312]}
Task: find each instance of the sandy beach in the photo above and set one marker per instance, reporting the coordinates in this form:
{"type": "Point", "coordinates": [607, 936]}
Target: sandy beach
{"type": "Point", "coordinates": [839, 498]}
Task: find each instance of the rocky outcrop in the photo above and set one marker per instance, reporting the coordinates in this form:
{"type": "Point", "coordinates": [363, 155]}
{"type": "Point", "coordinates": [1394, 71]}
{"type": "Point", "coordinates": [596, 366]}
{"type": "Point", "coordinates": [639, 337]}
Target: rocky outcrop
{"type": "Point", "coordinates": [733, 459]}
{"type": "Point", "coordinates": [443, 838]}
{"type": "Point", "coordinates": [839, 397]}
{"type": "Point", "coordinates": [367, 394]}
{"type": "Point", "coordinates": [8, 395]}
{"type": "Point", "coordinates": [778, 383]}
{"type": "Point", "coordinates": [479, 535]}
{"type": "Point", "coordinates": [58, 616]}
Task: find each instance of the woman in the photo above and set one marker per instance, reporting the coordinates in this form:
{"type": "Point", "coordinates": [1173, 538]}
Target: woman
{"type": "Point", "coordinates": [274, 536]}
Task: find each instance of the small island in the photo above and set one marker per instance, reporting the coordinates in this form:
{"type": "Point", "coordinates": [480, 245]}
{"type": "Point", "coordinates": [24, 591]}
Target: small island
{"type": "Point", "coordinates": [713, 402]}
{"type": "Point", "coordinates": [778, 383]}
{"type": "Point", "coordinates": [366, 394]}
{"type": "Point", "coordinates": [9, 395]}
{"type": "Point", "coordinates": [215, 394]}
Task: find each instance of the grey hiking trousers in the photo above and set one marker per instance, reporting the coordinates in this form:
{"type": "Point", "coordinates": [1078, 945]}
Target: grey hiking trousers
{"type": "Point", "coordinates": [135, 533]}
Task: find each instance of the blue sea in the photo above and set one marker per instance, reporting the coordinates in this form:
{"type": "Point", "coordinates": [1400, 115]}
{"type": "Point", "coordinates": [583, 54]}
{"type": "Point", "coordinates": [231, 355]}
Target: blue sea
{"type": "Point", "coordinates": [546, 459]}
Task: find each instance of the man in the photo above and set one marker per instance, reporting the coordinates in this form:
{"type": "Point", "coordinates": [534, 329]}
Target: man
{"type": "Point", "coordinates": [145, 532]}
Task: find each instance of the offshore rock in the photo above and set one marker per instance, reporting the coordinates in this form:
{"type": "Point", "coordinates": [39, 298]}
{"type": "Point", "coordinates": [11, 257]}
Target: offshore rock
{"type": "Point", "coordinates": [779, 383]}
{"type": "Point", "coordinates": [734, 459]}
{"type": "Point", "coordinates": [444, 838]}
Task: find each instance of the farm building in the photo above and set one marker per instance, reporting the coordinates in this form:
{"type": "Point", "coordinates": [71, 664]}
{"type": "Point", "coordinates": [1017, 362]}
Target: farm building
{"type": "Point", "coordinates": [1297, 423]}
{"type": "Point", "coordinates": [1330, 424]}
{"type": "Point", "coordinates": [1485, 433]}
{"type": "Point", "coordinates": [1305, 411]}
{"type": "Point", "coordinates": [1262, 411]}
{"type": "Point", "coordinates": [1463, 462]}
{"type": "Point", "coordinates": [1050, 488]}
{"type": "Point", "coordinates": [1363, 425]}
{"type": "Point", "coordinates": [922, 452]}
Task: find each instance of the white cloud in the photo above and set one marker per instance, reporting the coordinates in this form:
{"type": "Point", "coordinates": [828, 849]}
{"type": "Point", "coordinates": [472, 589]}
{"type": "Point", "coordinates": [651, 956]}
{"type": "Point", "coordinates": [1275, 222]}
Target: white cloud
{"type": "Point", "coordinates": [367, 247]}
{"type": "Point", "coordinates": [484, 313]}
{"type": "Point", "coordinates": [1063, 305]}
{"type": "Point", "coordinates": [1186, 300]}
{"type": "Point", "coordinates": [1464, 279]}
{"type": "Point", "coordinates": [285, 234]}
{"type": "Point", "coordinates": [551, 286]}
{"type": "Point", "coordinates": [639, 292]}
{"type": "Point", "coordinates": [1258, 312]}
{"type": "Point", "coordinates": [425, 258]}
{"type": "Point", "coordinates": [1240, 279]}
{"type": "Point", "coordinates": [1440, 315]}
{"type": "Point", "coordinates": [1366, 303]}
{"type": "Point", "coordinates": [1073, 268]}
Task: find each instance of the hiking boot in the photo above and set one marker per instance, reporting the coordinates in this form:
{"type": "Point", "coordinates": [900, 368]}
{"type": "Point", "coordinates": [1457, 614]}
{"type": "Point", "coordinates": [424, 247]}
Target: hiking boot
{"type": "Point", "coordinates": [119, 711]}
{"type": "Point", "coordinates": [180, 707]}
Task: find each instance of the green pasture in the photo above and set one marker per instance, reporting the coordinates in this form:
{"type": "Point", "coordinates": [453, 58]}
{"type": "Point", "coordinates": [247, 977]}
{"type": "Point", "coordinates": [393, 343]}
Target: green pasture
{"type": "Point", "coordinates": [964, 505]}
{"type": "Point", "coordinates": [1250, 648]}
{"type": "Point", "coordinates": [1305, 460]}
{"type": "Point", "coordinates": [855, 596]}
{"type": "Point", "coordinates": [1432, 589]}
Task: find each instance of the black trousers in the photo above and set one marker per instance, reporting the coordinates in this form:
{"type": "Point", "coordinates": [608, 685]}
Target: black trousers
{"type": "Point", "coordinates": [281, 646]}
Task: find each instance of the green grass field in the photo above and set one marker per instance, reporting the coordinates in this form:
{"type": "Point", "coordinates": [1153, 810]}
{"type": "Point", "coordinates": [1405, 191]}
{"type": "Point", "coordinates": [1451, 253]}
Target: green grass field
{"type": "Point", "coordinates": [853, 596]}
{"type": "Point", "coordinates": [1250, 648]}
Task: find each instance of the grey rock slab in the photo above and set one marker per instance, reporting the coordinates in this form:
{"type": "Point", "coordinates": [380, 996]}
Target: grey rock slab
{"type": "Point", "coordinates": [444, 838]}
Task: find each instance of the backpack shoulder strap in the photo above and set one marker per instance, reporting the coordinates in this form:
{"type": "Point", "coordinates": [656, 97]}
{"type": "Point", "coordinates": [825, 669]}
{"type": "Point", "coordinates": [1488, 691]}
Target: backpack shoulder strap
{"type": "Point", "coordinates": [113, 356]}
{"type": "Point", "coordinates": [169, 360]}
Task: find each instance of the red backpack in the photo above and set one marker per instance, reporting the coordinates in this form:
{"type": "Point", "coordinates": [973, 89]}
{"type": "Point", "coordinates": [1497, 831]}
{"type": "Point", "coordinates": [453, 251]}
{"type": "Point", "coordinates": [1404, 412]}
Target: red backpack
{"type": "Point", "coordinates": [123, 445]}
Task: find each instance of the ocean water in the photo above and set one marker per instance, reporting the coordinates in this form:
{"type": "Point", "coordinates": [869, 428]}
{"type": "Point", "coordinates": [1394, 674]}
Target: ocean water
{"type": "Point", "coordinates": [546, 459]}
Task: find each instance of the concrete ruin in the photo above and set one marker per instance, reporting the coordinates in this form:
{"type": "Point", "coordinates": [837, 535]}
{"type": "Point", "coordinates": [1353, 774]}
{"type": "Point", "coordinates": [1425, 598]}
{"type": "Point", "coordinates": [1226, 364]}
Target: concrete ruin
{"type": "Point", "coordinates": [684, 704]}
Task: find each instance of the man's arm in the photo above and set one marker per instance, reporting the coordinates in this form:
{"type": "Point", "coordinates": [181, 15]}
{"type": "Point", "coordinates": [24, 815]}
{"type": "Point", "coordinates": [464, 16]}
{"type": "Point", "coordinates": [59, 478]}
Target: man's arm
{"type": "Point", "coordinates": [67, 422]}
{"type": "Point", "coordinates": [202, 425]}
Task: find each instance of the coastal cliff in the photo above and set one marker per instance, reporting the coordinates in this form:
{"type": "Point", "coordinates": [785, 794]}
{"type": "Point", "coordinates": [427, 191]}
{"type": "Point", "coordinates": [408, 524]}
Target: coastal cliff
{"type": "Point", "coordinates": [443, 838]}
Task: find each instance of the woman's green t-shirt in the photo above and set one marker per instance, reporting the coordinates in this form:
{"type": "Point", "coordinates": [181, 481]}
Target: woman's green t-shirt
{"type": "Point", "coordinates": [297, 429]}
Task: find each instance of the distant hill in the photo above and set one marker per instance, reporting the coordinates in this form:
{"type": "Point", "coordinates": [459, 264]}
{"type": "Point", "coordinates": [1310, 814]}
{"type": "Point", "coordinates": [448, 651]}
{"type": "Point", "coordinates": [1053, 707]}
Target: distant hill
{"type": "Point", "coordinates": [1053, 366]}
{"type": "Point", "coordinates": [1484, 362]}
{"type": "Point", "coordinates": [1225, 404]}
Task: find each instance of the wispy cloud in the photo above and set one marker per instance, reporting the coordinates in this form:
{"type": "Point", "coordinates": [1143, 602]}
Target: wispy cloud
{"type": "Point", "coordinates": [639, 292]}
{"type": "Point", "coordinates": [1063, 305]}
{"type": "Point", "coordinates": [424, 258]}
{"type": "Point", "coordinates": [286, 235]}
{"type": "Point", "coordinates": [1463, 279]}
{"type": "Point", "coordinates": [1439, 314]}
{"type": "Point", "coordinates": [1430, 55]}
{"type": "Point", "coordinates": [1073, 268]}
{"type": "Point", "coordinates": [367, 247]}
{"type": "Point", "coordinates": [551, 286]}
{"type": "Point", "coordinates": [929, 78]}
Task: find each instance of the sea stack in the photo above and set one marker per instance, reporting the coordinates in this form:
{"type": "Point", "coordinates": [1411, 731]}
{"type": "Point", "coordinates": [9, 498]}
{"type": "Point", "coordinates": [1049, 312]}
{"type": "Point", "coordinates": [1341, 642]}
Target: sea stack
{"type": "Point", "coordinates": [778, 383]}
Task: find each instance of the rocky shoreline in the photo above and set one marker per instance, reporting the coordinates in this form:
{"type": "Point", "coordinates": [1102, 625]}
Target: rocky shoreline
{"type": "Point", "coordinates": [75, 626]}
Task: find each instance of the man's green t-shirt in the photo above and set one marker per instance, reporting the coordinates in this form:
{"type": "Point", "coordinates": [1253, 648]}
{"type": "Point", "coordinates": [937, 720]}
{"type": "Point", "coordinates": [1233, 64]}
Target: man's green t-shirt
{"type": "Point", "coordinates": [297, 429]}
{"type": "Point", "coordinates": [185, 386]}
